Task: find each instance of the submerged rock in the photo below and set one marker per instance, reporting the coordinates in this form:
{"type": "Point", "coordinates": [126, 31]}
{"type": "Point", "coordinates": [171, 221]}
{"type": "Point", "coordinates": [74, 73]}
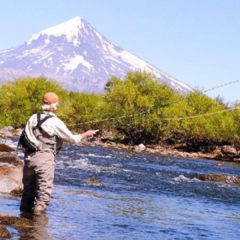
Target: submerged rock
{"type": "Point", "coordinates": [4, 233]}
{"type": "Point", "coordinates": [220, 178]}
{"type": "Point", "coordinates": [83, 192]}
{"type": "Point", "coordinates": [94, 180]}
{"type": "Point", "coordinates": [220, 164]}
{"type": "Point", "coordinates": [10, 179]}
{"type": "Point", "coordinates": [18, 191]}
{"type": "Point", "coordinates": [16, 222]}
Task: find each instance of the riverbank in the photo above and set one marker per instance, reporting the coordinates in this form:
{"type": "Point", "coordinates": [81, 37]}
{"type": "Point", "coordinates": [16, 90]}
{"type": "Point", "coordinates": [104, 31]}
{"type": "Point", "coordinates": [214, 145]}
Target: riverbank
{"type": "Point", "coordinates": [222, 153]}
{"type": "Point", "coordinates": [106, 140]}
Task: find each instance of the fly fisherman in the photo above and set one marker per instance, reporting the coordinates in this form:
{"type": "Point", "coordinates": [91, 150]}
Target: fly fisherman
{"type": "Point", "coordinates": [46, 132]}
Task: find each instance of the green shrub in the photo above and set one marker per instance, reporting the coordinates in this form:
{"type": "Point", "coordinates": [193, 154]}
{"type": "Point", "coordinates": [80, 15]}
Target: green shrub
{"type": "Point", "coordinates": [137, 104]}
{"type": "Point", "coordinates": [85, 111]}
{"type": "Point", "coordinates": [21, 98]}
{"type": "Point", "coordinates": [138, 109]}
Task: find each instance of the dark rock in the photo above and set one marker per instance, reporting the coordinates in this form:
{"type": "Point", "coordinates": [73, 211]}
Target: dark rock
{"type": "Point", "coordinates": [6, 148]}
{"type": "Point", "coordinates": [9, 157]}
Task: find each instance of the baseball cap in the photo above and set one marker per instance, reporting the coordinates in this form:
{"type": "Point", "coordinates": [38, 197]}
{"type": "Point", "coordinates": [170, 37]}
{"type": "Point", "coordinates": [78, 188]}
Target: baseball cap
{"type": "Point", "coordinates": [50, 98]}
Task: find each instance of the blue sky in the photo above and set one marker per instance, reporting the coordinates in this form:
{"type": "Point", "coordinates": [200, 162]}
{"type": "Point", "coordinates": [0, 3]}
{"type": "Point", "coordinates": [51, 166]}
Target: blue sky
{"type": "Point", "coordinates": [195, 41]}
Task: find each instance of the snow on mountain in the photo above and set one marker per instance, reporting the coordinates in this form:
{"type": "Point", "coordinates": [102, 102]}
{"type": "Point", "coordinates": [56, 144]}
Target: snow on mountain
{"type": "Point", "coordinates": [79, 57]}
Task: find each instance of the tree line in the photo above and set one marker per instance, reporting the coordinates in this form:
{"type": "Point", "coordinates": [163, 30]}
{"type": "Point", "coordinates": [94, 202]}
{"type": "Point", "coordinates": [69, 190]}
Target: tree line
{"type": "Point", "coordinates": [138, 109]}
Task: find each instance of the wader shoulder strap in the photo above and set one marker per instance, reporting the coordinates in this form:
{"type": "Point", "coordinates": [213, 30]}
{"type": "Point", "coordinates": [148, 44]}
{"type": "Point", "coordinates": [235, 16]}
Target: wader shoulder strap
{"type": "Point", "coordinates": [24, 141]}
{"type": "Point", "coordinates": [40, 122]}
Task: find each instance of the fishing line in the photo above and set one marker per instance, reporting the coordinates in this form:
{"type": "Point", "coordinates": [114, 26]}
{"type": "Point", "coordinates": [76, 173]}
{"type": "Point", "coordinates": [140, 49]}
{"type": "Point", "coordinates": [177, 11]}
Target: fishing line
{"type": "Point", "coordinates": [208, 90]}
{"type": "Point", "coordinates": [172, 102]}
{"type": "Point", "coordinates": [200, 115]}
{"type": "Point", "coordinates": [169, 119]}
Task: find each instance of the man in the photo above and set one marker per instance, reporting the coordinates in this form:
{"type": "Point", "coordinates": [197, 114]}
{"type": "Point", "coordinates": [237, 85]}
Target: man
{"type": "Point", "coordinates": [46, 132]}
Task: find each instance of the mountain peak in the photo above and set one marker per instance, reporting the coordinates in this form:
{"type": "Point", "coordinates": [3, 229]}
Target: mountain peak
{"type": "Point", "coordinates": [69, 28]}
{"type": "Point", "coordinates": [79, 57]}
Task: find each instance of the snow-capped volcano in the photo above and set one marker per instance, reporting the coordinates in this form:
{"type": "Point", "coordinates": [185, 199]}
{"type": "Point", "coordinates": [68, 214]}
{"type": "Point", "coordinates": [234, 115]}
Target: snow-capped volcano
{"type": "Point", "coordinates": [79, 57]}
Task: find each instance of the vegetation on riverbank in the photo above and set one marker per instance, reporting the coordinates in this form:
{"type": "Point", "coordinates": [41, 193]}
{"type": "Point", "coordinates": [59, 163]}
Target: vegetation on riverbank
{"type": "Point", "coordinates": [137, 110]}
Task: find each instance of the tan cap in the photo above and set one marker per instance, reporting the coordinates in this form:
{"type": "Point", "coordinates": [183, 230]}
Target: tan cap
{"type": "Point", "coordinates": [50, 98]}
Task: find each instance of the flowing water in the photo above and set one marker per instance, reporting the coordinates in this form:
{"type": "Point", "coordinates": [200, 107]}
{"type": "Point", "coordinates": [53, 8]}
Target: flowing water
{"type": "Point", "coordinates": [113, 194]}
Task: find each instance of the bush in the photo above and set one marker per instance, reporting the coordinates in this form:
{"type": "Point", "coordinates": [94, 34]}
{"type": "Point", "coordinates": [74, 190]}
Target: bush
{"type": "Point", "coordinates": [22, 98]}
{"type": "Point", "coordinates": [137, 104]}
{"type": "Point", "coordinates": [138, 109]}
{"type": "Point", "coordinates": [85, 111]}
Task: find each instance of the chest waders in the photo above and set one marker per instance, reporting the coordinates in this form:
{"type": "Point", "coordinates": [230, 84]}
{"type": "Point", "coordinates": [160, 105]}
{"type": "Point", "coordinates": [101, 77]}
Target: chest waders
{"type": "Point", "coordinates": [47, 141]}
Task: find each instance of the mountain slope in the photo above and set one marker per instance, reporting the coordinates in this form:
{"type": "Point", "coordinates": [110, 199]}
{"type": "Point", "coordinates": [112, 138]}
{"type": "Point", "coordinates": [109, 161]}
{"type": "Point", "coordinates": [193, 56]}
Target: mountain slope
{"type": "Point", "coordinates": [76, 55]}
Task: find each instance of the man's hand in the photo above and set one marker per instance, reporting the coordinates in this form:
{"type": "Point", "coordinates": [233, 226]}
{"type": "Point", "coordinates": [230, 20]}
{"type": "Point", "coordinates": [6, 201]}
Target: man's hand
{"type": "Point", "coordinates": [89, 133]}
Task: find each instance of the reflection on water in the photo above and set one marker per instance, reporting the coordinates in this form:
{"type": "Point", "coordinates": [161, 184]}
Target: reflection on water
{"type": "Point", "coordinates": [40, 229]}
{"type": "Point", "coordinates": [134, 196]}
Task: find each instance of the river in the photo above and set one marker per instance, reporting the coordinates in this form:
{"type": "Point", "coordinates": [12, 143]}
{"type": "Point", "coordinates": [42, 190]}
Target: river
{"type": "Point", "coordinates": [112, 194]}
